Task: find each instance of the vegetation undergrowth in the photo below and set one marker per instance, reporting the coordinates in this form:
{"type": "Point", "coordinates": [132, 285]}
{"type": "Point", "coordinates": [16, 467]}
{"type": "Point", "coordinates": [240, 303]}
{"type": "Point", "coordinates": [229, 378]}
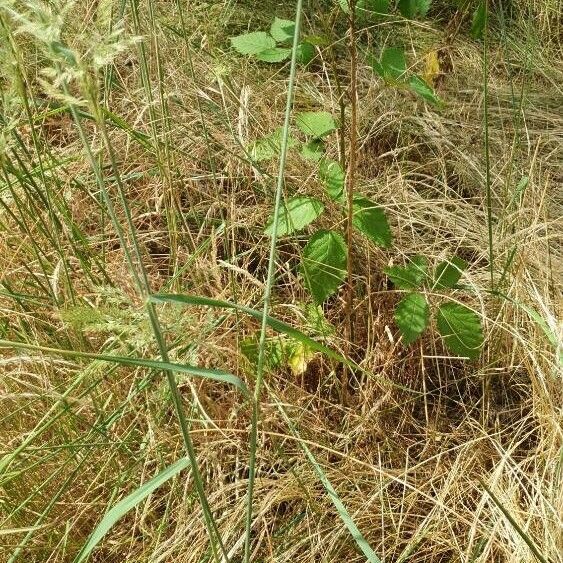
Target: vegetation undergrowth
{"type": "Point", "coordinates": [280, 282]}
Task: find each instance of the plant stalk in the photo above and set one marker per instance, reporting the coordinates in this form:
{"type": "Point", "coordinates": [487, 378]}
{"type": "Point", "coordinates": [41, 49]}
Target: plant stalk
{"type": "Point", "coordinates": [350, 189]}
{"type": "Point", "coordinates": [255, 417]}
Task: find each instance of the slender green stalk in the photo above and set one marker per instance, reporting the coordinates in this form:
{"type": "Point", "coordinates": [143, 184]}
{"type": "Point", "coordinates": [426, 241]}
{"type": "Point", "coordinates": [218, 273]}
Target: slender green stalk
{"type": "Point", "coordinates": [350, 189]}
{"type": "Point", "coordinates": [486, 140]}
{"type": "Point", "coordinates": [140, 276]}
{"type": "Point", "coordinates": [268, 287]}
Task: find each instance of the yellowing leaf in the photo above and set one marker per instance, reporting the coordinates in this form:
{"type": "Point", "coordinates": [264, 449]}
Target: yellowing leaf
{"type": "Point", "coordinates": [299, 358]}
{"type": "Point", "coordinates": [431, 67]}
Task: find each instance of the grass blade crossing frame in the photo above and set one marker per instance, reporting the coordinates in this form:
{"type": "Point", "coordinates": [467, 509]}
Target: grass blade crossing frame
{"type": "Point", "coordinates": [268, 286]}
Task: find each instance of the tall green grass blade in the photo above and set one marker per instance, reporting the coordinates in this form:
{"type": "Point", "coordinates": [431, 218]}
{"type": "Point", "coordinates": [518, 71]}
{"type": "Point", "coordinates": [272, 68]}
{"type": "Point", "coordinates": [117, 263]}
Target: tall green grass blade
{"type": "Point", "coordinates": [272, 322]}
{"type": "Point", "coordinates": [526, 537]}
{"type": "Point", "coordinates": [204, 373]}
{"type": "Point", "coordinates": [269, 284]}
{"type": "Point", "coordinates": [343, 513]}
{"type": "Point", "coordinates": [488, 184]}
{"type": "Point", "coordinates": [140, 276]}
{"type": "Point", "coordinates": [127, 504]}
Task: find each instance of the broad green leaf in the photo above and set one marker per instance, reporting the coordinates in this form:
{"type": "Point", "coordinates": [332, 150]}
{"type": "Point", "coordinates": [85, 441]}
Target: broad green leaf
{"type": "Point", "coordinates": [318, 40]}
{"type": "Point", "coordinates": [316, 124]}
{"type": "Point", "coordinates": [411, 316]}
{"type": "Point", "coordinates": [324, 264]}
{"type": "Point", "coordinates": [421, 87]}
{"type": "Point", "coordinates": [127, 504]}
{"type": "Point", "coordinates": [414, 8]}
{"type": "Point", "coordinates": [332, 176]}
{"type": "Point", "coordinates": [448, 272]}
{"type": "Point", "coordinates": [305, 52]}
{"type": "Point", "coordinates": [371, 220]}
{"type": "Point", "coordinates": [461, 329]}
{"type": "Point", "coordinates": [410, 276]}
{"type": "Point", "coordinates": [282, 30]}
{"type": "Point", "coordinates": [298, 212]}
{"type": "Point", "coordinates": [274, 55]}
{"type": "Point", "coordinates": [313, 150]}
{"type": "Point", "coordinates": [394, 62]}
{"type": "Point", "coordinates": [252, 43]}
{"type": "Point", "coordinates": [479, 21]}
{"type": "Point", "coordinates": [270, 146]}
{"type": "Point", "coordinates": [392, 66]}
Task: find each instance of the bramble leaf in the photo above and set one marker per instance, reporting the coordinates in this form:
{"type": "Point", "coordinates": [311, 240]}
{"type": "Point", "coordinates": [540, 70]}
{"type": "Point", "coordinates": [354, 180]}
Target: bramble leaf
{"type": "Point", "coordinates": [423, 89]}
{"type": "Point", "coordinates": [269, 146]}
{"type": "Point", "coordinates": [313, 150]}
{"type": "Point", "coordinates": [295, 215]}
{"type": "Point", "coordinates": [392, 66]}
{"type": "Point", "coordinates": [461, 329]}
{"type": "Point", "coordinates": [411, 315]}
{"type": "Point", "coordinates": [252, 43]}
{"type": "Point", "coordinates": [410, 276]}
{"type": "Point", "coordinates": [332, 176]}
{"type": "Point", "coordinates": [282, 30]}
{"type": "Point", "coordinates": [275, 55]}
{"type": "Point", "coordinates": [371, 220]}
{"type": "Point", "coordinates": [316, 124]}
{"type": "Point", "coordinates": [414, 8]}
{"type": "Point", "coordinates": [448, 273]}
{"type": "Point", "coordinates": [324, 264]}
{"type": "Point", "coordinates": [305, 52]}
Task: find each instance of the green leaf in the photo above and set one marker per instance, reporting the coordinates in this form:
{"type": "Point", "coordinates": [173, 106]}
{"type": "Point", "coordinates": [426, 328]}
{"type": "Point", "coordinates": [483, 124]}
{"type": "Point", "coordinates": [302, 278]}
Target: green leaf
{"type": "Point", "coordinates": [410, 276]}
{"type": "Point", "coordinates": [411, 315]}
{"type": "Point", "coordinates": [298, 212]}
{"type": "Point", "coordinates": [421, 87]}
{"type": "Point", "coordinates": [305, 52]}
{"type": "Point", "coordinates": [274, 55]}
{"type": "Point", "coordinates": [318, 40]}
{"type": "Point", "coordinates": [414, 8]}
{"type": "Point", "coordinates": [479, 21]}
{"type": "Point", "coordinates": [316, 124]}
{"type": "Point", "coordinates": [313, 150]}
{"type": "Point", "coordinates": [461, 329]}
{"type": "Point", "coordinates": [324, 264]}
{"type": "Point", "coordinates": [270, 146]}
{"type": "Point", "coordinates": [371, 220]}
{"type": "Point", "coordinates": [448, 272]}
{"type": "Point", "coordinates": [392, 66]}
{"type": "Point", "coordinates": [332, 176]}
{"type": "Point", "coordinates": [282, 30]}
{"type": "Point", "coordinates": [252, 43]}
{"type": "Point", "coordinates": [127, 504]}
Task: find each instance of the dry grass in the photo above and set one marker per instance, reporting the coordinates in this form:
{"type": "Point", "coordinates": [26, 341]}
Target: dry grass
{"type": "Point", "coordinates": [408, 454]}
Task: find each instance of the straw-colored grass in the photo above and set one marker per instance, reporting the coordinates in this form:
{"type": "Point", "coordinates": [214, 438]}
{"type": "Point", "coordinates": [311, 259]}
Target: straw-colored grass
{"type": "Point", "coordinates": [422, 435]}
